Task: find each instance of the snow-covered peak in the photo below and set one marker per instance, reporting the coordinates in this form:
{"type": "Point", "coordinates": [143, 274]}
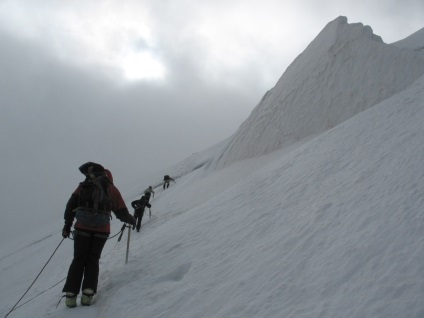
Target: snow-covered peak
{"type": "Point", "coordinates": [346, 69]}
{"type": "Point", "coordinates": [339, 30]}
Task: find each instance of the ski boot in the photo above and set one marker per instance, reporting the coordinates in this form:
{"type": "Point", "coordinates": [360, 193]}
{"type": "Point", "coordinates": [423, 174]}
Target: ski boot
{"type": "Point", "coordinates": [87, 297]}
{"type": "Point", "coordinates": [71, 300]}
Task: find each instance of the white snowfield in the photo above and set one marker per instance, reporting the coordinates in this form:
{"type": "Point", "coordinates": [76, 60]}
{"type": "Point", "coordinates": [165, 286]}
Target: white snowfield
{"type": "Point", "coordinates": [313, 208]}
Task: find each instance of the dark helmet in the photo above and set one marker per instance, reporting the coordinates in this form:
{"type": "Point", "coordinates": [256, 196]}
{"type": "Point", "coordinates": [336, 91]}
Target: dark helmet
{"type": "Point", "coordinates": [92, 167]}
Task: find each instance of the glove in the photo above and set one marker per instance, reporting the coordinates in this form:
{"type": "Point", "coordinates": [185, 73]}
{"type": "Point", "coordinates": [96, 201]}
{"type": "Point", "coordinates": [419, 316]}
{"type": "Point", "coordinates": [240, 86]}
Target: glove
{"type": "Point", "coordinates": [130, 219]}
{"type": "Point", "coordinates": [66, 231]}
{"type": "Point", "coordinates": [124, 216]}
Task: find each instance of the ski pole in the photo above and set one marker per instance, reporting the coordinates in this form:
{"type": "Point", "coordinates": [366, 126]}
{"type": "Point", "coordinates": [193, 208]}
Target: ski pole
{"type": "Point", "coordinates": [128, 244]}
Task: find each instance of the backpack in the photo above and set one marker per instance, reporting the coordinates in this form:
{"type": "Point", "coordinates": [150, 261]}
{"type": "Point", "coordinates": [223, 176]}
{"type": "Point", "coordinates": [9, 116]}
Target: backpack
{"type": "Point", "coordinates": [147, 194]}
{"type": "Point", "coordinates": [94, 202]}
{"type": "Point", "coordinates": [166, 177]}
{"type": "Point", "coordinates": [139, 204]}
{"type": "Point", "coordinates": [136, 204]}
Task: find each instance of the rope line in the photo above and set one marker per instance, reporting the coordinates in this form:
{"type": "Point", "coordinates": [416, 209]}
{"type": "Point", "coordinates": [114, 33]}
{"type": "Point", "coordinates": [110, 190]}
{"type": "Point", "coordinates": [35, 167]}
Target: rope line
{"type": "Point", "coordinates": [13, 308]}
{"type": "Point", "coordinates": [16, 305]}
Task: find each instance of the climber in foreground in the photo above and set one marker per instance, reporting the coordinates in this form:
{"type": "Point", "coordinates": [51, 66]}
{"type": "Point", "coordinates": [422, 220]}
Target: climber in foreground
{"type": "Point", "coordinates": [91, 205]}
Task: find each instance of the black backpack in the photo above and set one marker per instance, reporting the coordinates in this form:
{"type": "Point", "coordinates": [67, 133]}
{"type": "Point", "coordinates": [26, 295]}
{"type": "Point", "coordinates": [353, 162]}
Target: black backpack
{"type": "Point", "coordinates": [136, 204]}
{"type": "Point", "coordinates": [94, 194]}
{"type": "Point", "coordinates": [139, 204]}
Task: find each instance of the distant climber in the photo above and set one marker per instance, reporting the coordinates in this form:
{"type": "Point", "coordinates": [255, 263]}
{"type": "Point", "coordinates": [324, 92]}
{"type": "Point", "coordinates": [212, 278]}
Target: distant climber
{"type": "Point", "coordinates": [149, 192]}
{"type": "Point", "coordinates": [166, 181]}
{"type": "Point", "coordinates": [139, 206]}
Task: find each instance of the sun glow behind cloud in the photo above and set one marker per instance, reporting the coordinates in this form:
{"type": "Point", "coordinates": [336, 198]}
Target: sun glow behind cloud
{"type": "Point", "coordinates": [141, 65]}
{"type": "Point", "coordinates": [122, 44]}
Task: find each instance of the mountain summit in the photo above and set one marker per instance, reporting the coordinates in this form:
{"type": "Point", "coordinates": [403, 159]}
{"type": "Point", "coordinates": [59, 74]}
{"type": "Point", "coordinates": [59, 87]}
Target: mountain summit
{"type": "Point", "coordinates": [346, 69]}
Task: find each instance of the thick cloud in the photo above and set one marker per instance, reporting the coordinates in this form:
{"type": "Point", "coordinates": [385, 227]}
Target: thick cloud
{"type": "Point", "coordinates": [56, 116]}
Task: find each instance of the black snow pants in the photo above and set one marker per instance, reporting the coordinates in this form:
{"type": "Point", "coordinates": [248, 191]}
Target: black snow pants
{"type": "Point", "coordinates": [138, 215]}
{"type": "Point", "coordinates": [84, 268]}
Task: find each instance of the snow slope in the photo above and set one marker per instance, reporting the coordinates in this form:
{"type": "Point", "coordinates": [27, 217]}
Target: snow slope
{"type": "Point", "coordinates": [331, 226]}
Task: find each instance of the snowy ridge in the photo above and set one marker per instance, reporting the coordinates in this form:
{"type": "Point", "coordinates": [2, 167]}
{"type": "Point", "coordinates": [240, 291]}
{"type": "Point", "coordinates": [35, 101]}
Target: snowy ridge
{"type": "Point", "coordinates": [415, 41]}
{"type": "Point", "coordinates": [345, 70]}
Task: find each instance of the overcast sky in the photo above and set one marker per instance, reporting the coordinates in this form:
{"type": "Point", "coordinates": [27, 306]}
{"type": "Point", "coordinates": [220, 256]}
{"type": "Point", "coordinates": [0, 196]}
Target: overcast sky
{"type": "Point", "coordinates": [140, 85]}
